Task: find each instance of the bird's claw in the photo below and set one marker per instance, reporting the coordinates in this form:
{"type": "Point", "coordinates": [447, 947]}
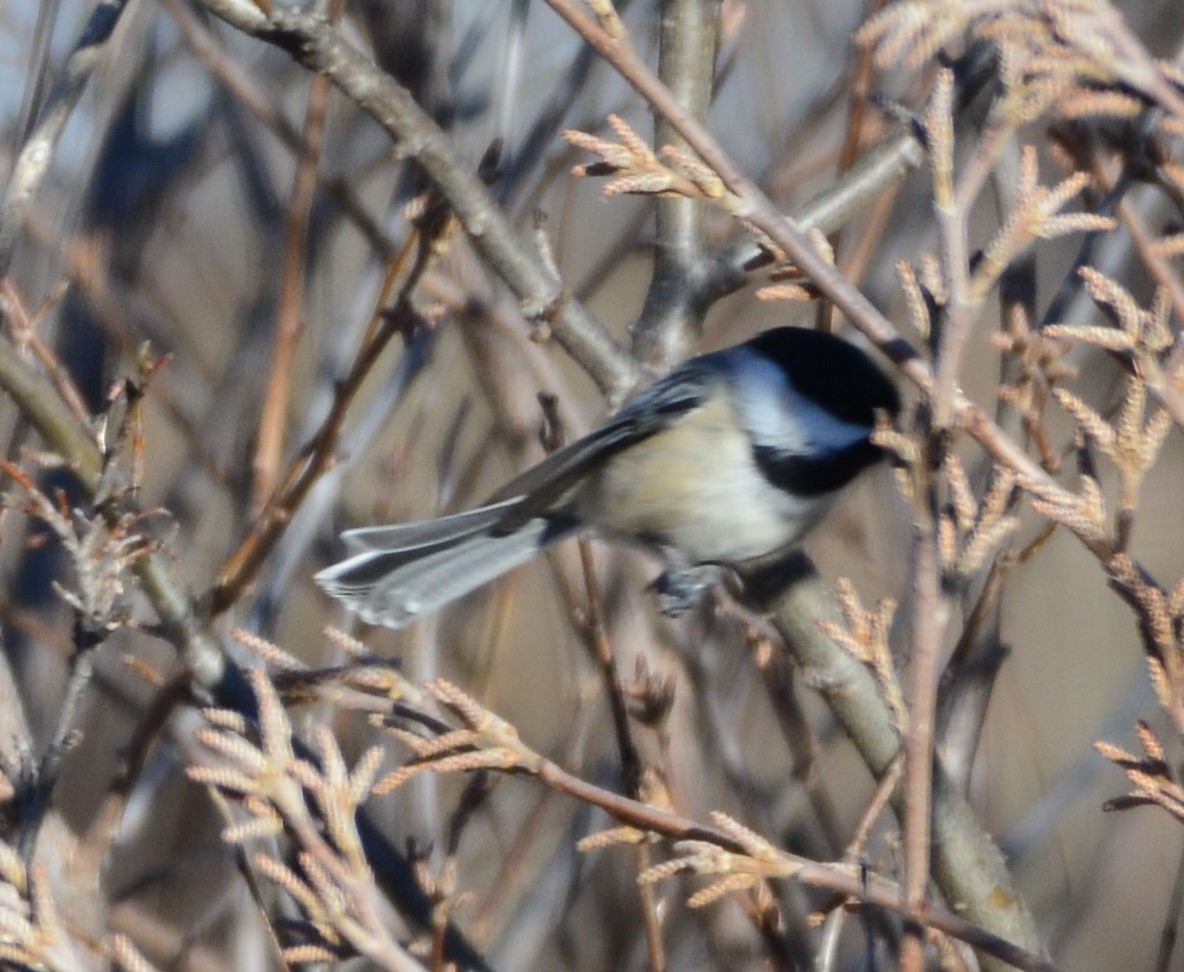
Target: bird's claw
{"type": "Point", "coordinates": [680, 589]}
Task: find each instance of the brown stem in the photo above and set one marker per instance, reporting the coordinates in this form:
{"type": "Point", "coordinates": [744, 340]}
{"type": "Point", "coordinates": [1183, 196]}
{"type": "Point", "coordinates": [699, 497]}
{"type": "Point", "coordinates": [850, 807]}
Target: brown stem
{"type": "Point", "coordinates": [290, 312]}
{"type": "Point", "coordinates": [314, 459]}
{"type": "Point", "coordinates": [932, 610]}
{"type": "Point", "coordinates": [842, 879]}
{"type": "Point", "coordinates": [631, 767]}
{"type": "Point", "coordinates": [238, 82]}
{"type": "Point", "coordinates": [861, 84]}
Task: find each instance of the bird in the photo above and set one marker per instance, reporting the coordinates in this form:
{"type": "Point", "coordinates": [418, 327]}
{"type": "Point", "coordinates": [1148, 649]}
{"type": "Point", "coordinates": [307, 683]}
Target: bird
{"type": "Point", "coordinates": [730, 458]}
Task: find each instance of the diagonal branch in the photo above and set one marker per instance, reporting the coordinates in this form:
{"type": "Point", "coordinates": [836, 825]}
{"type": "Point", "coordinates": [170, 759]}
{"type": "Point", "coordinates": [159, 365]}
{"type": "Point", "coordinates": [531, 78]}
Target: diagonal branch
{"type": "Point", "coordinates": [542, 297]}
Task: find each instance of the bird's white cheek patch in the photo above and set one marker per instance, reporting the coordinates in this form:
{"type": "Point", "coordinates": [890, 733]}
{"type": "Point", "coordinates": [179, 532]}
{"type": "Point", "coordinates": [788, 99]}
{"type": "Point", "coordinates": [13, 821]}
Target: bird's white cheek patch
{"type": "Point", "coordinates": [779, 417]}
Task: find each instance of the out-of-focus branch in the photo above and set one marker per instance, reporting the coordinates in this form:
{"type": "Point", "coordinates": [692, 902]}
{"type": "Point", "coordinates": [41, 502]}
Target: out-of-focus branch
{"type": "Point", "coordinates": [290, 306]}
{"type": "Point", "coordinates": [36, 154]}
{"type": "Point", "coordinates": [601, 649]}
{"type": "Point", "coordinates": [318, 454]}
{"type": "Point", "coordinates": [39, 64]}
{"type": "Point", "coordinates": [16, 742]}
{"type": "Point", "coordinates": [314, 459]}
{"type": "Point", "coordinates": [239, 83]}
{"type": "Point", "coordinates": [542, 296]}
{"type": "Point", "coordinates": [176, 613]}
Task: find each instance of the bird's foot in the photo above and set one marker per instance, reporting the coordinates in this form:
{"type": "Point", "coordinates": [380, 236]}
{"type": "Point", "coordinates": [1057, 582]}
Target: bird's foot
{"type": "Point", "coordinates": [680, 588]}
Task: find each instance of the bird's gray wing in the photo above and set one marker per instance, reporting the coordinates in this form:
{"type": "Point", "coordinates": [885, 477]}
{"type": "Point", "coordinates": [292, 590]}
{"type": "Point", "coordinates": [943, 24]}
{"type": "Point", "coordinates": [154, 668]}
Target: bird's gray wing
{"type": "Point", "coordinates": [658, 407]}
{"type": "Point", "coordinates": [427, 533]}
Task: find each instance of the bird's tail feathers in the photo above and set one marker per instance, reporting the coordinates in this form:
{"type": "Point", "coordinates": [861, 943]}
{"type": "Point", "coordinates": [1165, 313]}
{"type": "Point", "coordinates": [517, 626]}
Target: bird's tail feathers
{"type": "Point", "coordinates": [402, 572]}
{"type": "Point", "coordinates": [427, 533]}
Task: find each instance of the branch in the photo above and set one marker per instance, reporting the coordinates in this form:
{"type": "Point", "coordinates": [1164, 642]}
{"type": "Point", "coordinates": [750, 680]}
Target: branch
{"type": "Point", "coordinates": [70, 439]}
{"type": "Point", "coordinates": [179, 621]}
{"type": "Point", "coordinates": [966, 864]}
{"type": "Point", "coordinates": [489, 742]}
{"type": "Point", "coordinates": [672, 316]}
{"type": "Point", "coordinates": [542, 296]}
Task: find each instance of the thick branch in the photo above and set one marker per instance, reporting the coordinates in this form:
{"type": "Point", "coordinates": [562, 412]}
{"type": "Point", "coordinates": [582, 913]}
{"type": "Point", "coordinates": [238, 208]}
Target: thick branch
{"type": "Point", "coordinates": [668, 329]}
{"type": "Point", "coordinates": [965, 861]}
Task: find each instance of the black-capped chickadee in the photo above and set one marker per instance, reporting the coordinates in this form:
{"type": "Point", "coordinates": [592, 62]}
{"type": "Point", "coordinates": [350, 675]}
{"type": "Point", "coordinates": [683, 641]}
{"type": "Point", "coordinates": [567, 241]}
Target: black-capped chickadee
{"type": "Point", "coordinates": [731, 457]}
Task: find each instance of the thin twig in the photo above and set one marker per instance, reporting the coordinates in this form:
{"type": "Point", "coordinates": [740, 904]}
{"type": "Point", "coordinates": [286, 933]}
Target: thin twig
{"type": "Point", "coordinates": [839, 878]}
{"type": "Point", "coordinates": [306, 468]}
{"type": "Point", "coordinates": [602, 653]}
{"type": "Point", "coordinates": [24, 329]}
{"type": "Point", "coordinates": [856, 850]}
{"type": "Point", "coordinates": [1171, 922]}
{"type": "Point", "coordinates": [318, 454]}
{"type": "Point", "coordinates": [631, 766]}
{"type": "Point", "coordinates": [777, 674]}
{"type": "Point", "coordinates": [236, 80]}
{"type": "Point", "coordinates": [82, 669]}
{"type": "Point", "coordinates": [932, 611]}
{"type": "Point", "coordinates": [853, 138]}
{"type": "Point", "coordinates": [290, 309]}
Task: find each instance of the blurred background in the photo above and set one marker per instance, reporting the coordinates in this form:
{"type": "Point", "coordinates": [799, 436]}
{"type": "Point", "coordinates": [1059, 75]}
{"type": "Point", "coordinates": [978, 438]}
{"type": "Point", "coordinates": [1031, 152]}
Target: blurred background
{"type": "Point", "coordinates": [174, 215]}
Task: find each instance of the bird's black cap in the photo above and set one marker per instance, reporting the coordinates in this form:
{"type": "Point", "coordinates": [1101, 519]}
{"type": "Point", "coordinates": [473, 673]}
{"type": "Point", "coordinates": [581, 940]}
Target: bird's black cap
{"type": "Point", "coordinates": [830, 371]}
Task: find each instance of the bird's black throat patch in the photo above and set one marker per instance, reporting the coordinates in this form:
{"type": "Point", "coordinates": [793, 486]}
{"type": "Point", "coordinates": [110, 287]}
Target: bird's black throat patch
{"type": "Point", "coordinates": [818, 474]}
